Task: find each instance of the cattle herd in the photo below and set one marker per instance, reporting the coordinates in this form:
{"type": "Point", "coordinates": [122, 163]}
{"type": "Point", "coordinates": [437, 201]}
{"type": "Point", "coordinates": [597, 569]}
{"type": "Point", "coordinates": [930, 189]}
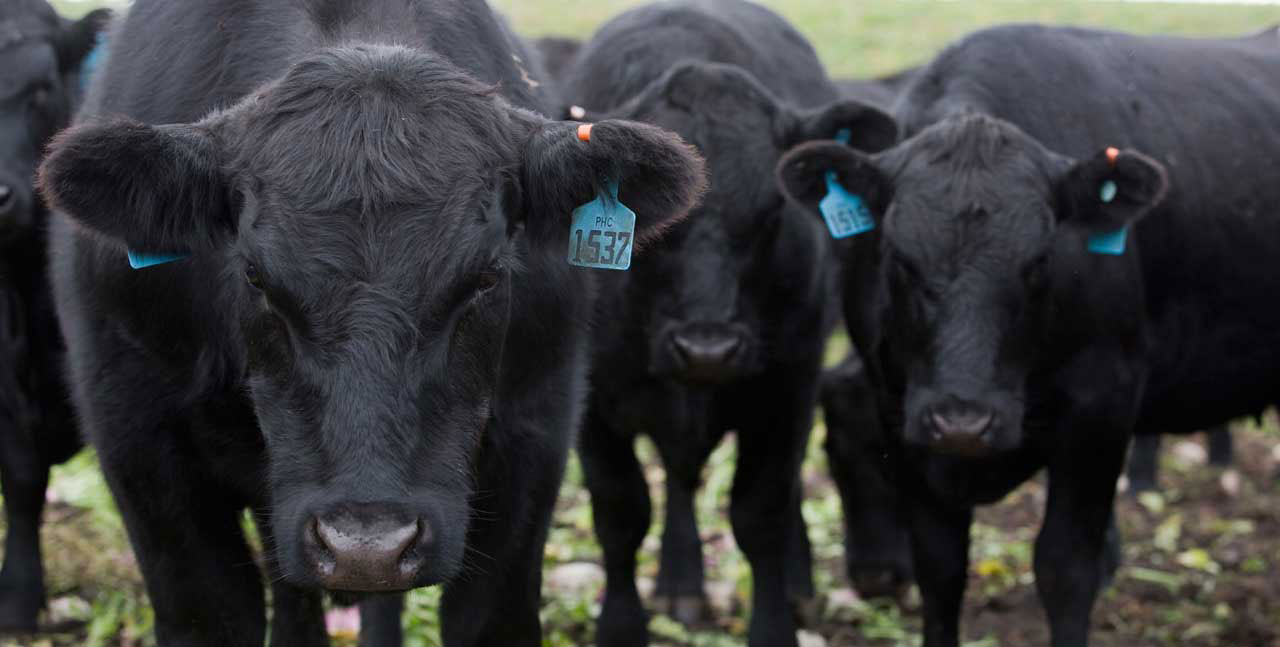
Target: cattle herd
{"type": "Point", "coordinates": [369, 270]}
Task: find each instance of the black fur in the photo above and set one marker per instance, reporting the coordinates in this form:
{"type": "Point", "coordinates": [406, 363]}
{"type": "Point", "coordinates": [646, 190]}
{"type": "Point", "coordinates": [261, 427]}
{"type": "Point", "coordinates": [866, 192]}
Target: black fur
{"type": "Point", "coordinates": [40, 57]}
{"type": "Point", "coordinates": [376, 328]}
{"type": "Point", "coordinates": [742, 273]}
{"type": "Point", "coordinates": [976, 294]}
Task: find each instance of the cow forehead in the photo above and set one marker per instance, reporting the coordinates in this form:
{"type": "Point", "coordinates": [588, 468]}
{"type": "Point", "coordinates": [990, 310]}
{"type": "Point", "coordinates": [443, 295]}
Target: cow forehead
{"type": "Point", "coordinates": [946, 214]}
{"type": "Point", "coordinates": [374, 142]}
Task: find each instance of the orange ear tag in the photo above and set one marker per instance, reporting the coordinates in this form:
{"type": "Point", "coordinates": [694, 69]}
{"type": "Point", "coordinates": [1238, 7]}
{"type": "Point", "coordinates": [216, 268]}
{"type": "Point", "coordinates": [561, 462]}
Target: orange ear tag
{"type": "Point", "coordinates": [584, 132]}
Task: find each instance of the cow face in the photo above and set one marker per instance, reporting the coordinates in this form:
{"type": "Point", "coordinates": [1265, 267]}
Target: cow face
{"type": "Point", "coordinates": [40, 56]}
{"type": "Point", "coordinates": [969, 211]}
{"type": "Point", "coordinates": [712, 292]}
{"type": "Point", "coordinates": [378, 218]}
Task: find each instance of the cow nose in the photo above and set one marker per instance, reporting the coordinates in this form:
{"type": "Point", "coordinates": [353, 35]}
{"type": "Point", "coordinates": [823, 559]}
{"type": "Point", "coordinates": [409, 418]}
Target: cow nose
{"type": "Point", "coordinates": [367, 553]}
{"type": "Point", "coordinates": [961, 427]}
{"type": "Point", "coordinates": [8, 200]}
{"type": "Point", "coordinates": [707, 351]}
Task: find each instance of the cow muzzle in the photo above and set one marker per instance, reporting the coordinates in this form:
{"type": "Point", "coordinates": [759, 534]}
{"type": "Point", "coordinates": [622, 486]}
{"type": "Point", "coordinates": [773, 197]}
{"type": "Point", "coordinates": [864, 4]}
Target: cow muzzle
{"type": "Point", "coordinates": [366, 547]}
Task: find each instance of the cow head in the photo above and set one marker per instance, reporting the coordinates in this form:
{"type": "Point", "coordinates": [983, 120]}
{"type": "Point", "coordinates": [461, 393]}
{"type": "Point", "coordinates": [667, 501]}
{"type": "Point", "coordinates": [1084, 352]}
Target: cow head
{"type": "Point", "coordinates": [711, 291]}
{"type": "Point", "coordinates": [377, 219]}
{"type": "Point", "coordinates": [40, 56]}
{"type": "Point", "coordinates": [968, 212]}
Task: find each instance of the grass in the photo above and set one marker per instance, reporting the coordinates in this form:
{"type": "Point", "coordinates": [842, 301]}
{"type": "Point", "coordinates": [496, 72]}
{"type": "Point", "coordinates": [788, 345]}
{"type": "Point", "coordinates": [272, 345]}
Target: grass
{"type": "Point", "coordinates": [1181, 542]}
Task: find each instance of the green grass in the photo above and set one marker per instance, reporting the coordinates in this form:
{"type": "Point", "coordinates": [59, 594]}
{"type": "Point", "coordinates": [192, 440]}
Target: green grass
{"type": "Point", "coordinates": [93, 576]}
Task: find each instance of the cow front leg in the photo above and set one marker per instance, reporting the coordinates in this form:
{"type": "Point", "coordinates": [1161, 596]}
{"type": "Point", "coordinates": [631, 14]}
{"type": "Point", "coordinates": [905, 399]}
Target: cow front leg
{"type": "Point", "coordinates": [1077, 546]}
{"type": "Point", "coordinates": [940, 551]}
{"type": "Point", "coordinates": [24, 474]}
{"type": "Point", "coordinates": [621, 513]}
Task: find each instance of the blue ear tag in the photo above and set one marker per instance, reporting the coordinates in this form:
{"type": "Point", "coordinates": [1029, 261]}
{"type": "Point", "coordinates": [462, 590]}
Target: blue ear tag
{"type": "Point", "coordinates": [140, 260]}
{"type": "Point", "coordinates": [602, 232]}
{"type": "Point", "coordinates": [846, 214]}
{"type": "Point", "coordinates": [90, 63]}
{"type": "Point", "coordinates": [844, 136]}
{"type": "Point", "coordinates": [1111, 243]}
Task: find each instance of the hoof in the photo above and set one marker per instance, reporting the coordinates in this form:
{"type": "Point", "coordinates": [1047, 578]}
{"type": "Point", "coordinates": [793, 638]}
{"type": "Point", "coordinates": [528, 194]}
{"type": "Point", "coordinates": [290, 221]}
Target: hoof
{"type": "Point", "coordinates": [879, 582]}
{"type": "Point", "coordinates": [689, 610]}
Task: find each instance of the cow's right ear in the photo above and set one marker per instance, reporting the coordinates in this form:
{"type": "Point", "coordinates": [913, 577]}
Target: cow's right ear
{"type": "Point", "coordinates": [802, 176]}
{"type": "Point", "coordinates": [155, 188]}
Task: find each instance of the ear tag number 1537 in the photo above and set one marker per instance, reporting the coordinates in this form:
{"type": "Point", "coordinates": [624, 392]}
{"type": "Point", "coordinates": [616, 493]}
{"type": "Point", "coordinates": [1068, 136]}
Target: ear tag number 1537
{"type": "Point", "coordinates": [602, 232]}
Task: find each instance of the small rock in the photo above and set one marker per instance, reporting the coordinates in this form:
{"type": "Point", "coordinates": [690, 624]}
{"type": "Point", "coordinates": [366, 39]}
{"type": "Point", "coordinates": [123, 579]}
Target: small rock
{"type": "Point", "coordinates": [720, 595]}
{"type": "Point", "coordinates": [69, 608]}
{"type": "Point", "coordinates": [1190, 453]}
{"type": "Point", "coordinates": [810, 639]}
{"type": "Point", "coordinates": [575, 577]}
{"type": "Point", "coordinates": [1230, 482]}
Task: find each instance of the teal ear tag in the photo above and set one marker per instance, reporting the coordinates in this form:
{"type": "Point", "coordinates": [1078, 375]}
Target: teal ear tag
{"type": "Point", "coordinates": [844, 136]}
{"type": "Point", "coordinates": [140, 260]}
{"type": "Point", "coordinates": [1111, 243]}
{"type": "Point", "coordinates": [846, 214]}
{"type": "Point", "coordinates": [602, 232]}
{"type": "Point", "coordinates": [90, 63]}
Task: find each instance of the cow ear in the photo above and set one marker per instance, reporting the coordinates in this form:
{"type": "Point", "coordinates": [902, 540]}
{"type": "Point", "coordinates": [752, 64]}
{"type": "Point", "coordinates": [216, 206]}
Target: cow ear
{"type": "Point", "coordinates": [156, 188]}
{"type": "Point", "coordinates": [567, 164]}
{"type": "Point", "coordinates": [803, 176]}
{"type": "Point", "coordinates": [1110, 190]}
{"type": "Point", "coordinates": [866, 127]}
{"type": "Point", "coordinates": [76, 39]}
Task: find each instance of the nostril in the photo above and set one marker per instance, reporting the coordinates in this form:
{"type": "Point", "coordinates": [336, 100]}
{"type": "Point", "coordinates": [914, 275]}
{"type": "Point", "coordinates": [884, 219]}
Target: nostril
{"type": "Point", "coordinates": [967, 422]}
{"type": "Point", "coordinates": [707, 348]}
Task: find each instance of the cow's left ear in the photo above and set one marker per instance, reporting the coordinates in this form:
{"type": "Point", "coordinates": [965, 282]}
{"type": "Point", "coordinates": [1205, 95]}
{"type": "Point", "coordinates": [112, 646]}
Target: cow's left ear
{"type": "Point", "coordinates": [76, 39]}
{"type": "Point", "coordinates": [868, 128]}
{"type": "Point", "coordinates": [567, 164]}
{"type": "Point", "coordinates": [1111, 190]}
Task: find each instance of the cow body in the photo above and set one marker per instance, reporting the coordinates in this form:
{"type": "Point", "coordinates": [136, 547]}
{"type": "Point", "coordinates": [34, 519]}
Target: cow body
{"type": "Point", "coordinates": [1000, 345]}
{"type": "Point", "coordinates": [722, 326]}
{"type": "Point", "coordinates": [40, 59]}
{"type": "Point", "coordinates": [373, 340]}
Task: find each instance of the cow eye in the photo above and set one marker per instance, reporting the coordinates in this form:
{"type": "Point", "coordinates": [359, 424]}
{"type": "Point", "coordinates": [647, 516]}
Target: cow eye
{"type": "Point", "coordinates": [489, 279]}
{"type": "Point", "coordinates": [252, 277]}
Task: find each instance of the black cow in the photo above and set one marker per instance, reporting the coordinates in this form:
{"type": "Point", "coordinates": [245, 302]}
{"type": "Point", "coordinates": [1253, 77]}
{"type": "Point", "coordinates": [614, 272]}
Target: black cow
{"type": "Point", "coordinates": [877, 551]}
{"type": "Point", "coordinates": [997, 342]}
{"type": "Point", "coordinates": [722, 326]}
{"type": "Point", "coordinates": [40, 61]}
{"type": "Point", "coordinates": [373, 339]}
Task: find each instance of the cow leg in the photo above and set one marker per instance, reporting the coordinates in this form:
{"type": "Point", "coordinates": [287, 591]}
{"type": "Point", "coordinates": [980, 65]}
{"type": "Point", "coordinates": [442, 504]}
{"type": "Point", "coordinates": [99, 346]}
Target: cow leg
{"type": "Point", "coordinates": [495, 603]}
{"type": "Point", "coordinates": [1072, 551]}
{"type": "Point", "coordinates": [1221, 448]}
{"type": "Point", "coordinates": [200, 575]}
{"type": "Point", "coordinates": [940, 550]}
{"type": "Point", "coordinates": [24, 474]}
{"type": "Point", "coordinates": [679, 591]}
{"type": "Point", "coordinates": [800, 588]}
{"type": "Point", "coordinates": [380, 621]}
{"type": "Point", "coordinates": [298, 614]}
{"type": "Point", "coordinates": [1144, 464]}
{"type": "Point", "coordinates": [620, 510]}
{"type": "Point", "coordinates": [877, 544]}
{"type": "Point", "coordinates": [769, 454]}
